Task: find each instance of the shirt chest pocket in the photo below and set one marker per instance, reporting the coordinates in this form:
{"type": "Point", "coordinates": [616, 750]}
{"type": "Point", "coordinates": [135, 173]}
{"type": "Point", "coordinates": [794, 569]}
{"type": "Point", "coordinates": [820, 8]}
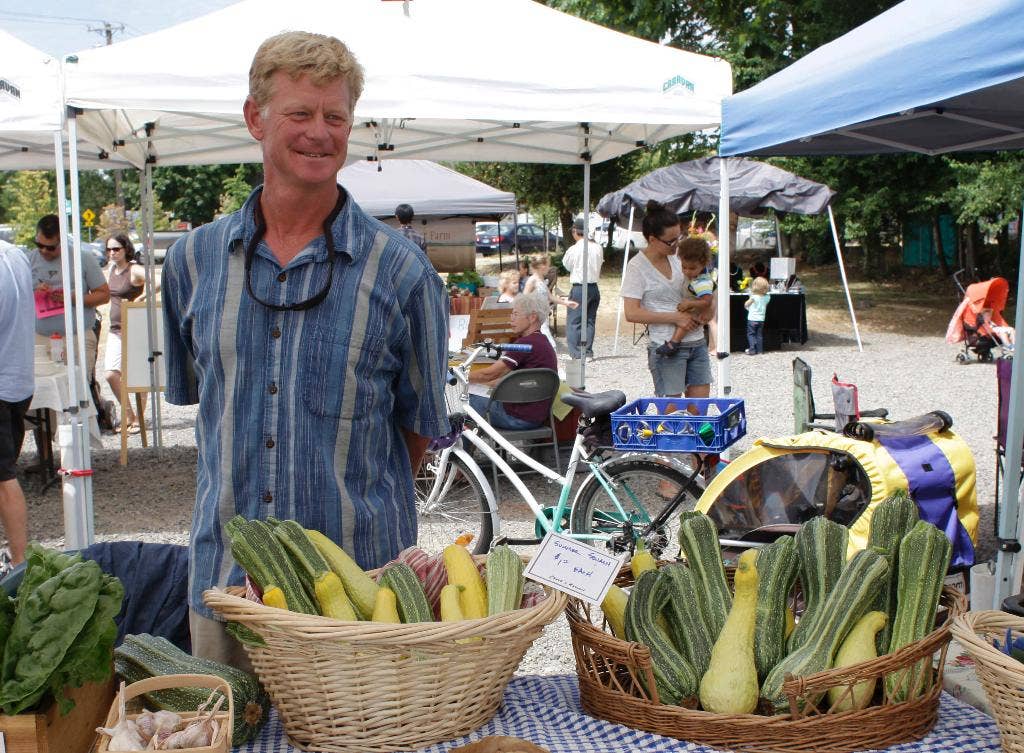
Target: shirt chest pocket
{"type": "Point", "coordinates": [338, 373]}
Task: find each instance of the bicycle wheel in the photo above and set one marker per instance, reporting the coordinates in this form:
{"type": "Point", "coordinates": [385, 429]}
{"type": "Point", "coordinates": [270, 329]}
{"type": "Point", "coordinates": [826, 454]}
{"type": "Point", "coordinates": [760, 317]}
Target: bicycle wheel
{"type": "Point", "coordinates": [643, 489]}
{"type": "Point", "coordinates": [461, 506]}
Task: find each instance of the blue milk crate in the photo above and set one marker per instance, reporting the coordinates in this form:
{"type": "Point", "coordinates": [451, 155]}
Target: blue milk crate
{"type": "Point", "coordinates": [679, 424]}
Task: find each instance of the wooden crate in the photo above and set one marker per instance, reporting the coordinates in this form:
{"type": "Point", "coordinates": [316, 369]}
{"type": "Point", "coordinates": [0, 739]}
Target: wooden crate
{"type": "Point", "coordinates": [49, 732]}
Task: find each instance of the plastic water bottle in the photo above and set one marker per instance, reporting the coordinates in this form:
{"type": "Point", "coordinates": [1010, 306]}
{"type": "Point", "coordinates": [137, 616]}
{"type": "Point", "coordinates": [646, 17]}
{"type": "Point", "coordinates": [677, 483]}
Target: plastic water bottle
{"type": "Point", "coordinates": [57, 348]}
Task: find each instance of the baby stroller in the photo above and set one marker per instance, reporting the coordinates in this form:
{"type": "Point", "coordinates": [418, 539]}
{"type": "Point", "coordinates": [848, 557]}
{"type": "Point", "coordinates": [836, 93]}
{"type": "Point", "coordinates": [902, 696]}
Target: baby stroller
{"type": "Point", "coordinates": [978, 321]}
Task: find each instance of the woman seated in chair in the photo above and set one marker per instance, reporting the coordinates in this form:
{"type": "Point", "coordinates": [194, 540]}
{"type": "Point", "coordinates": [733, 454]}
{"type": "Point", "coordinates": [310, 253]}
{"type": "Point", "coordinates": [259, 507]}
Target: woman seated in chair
{"type": "Point", "coordinates": [529, 311]}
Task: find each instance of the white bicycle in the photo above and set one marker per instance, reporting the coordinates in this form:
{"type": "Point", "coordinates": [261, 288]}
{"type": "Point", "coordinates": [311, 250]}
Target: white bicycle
{"type": "Point", "coordinates": [623, 498]}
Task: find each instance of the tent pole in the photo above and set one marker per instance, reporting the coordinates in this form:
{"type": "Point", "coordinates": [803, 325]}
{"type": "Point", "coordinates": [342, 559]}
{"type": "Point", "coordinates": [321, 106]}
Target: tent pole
{"type": "Point", "coordinates": [78, 519]}
{"type": "Point", "coordinates": [1008, 553]}
{"type": "Point", "coordinates": [584, 344]}
{"type": "Point", "coordinates": [151, 312]}
{"type": "Point", "coordinates": [842, 273]}
{"type": "Point", "coordinates": [723, 387]}
{"type": "Point", "coordinates": [625, 258]}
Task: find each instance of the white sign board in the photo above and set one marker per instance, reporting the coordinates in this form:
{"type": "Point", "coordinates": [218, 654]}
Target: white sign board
{"type": "Point", "coordinates": [458, 328]}
{"type": "Point", "coordinates": [135, 347]}
{"type": "Point", "coordinates": [575, 568]}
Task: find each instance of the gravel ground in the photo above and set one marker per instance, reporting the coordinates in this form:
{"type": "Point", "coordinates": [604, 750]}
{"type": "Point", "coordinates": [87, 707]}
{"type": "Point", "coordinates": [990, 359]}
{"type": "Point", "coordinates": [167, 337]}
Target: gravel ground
{"type": "Point", "coordinates": [151, 498]}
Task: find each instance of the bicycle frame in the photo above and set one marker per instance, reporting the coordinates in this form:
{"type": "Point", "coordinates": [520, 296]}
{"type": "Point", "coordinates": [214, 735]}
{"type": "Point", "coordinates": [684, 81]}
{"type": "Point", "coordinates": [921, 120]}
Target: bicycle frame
{"type": "Point", "coordinates": [554, 523]}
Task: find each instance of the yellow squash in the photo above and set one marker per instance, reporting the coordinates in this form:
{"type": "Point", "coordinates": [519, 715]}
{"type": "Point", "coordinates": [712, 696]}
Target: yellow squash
{"type": "Point", "coordinates": [730, 684]}
{"type": "Point", "coordinates": [857, 646]}
{"type": "Point", "coordinates": [461, 568]}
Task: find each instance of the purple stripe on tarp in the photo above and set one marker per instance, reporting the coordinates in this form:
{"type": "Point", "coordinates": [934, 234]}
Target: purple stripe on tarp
{"type": "Point", "coordinates": [933, 486]}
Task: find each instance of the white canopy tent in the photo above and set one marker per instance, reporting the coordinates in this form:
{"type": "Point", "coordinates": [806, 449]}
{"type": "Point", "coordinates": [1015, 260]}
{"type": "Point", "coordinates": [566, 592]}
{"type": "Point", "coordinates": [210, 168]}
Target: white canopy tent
{"type": "Point", "coordinates": [431, 189]}
{"type": "Point", "coordinates": [435, 85]}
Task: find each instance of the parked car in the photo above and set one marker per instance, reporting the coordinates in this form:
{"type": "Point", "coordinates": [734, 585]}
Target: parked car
{"type": "Point", "coordinates": [599, 234]}
{"type": "Point", "coordinates": [755, 233]}
{"type": "Point", "coordinates": [162, 240]}
{"type": "Point", "coordinates": [529, 237]}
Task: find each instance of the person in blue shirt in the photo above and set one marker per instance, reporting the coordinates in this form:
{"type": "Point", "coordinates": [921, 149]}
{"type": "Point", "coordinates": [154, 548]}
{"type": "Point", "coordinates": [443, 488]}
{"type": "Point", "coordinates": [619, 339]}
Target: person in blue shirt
{"type": "Point", "coordinates": [313, 337]}
{"type": "Point", "coordinates": [756, 305]}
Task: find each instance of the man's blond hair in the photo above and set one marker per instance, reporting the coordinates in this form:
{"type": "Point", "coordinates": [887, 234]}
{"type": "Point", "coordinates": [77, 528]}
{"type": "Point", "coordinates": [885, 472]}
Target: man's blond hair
{"type": "Point", "coordinates": [324, 59]}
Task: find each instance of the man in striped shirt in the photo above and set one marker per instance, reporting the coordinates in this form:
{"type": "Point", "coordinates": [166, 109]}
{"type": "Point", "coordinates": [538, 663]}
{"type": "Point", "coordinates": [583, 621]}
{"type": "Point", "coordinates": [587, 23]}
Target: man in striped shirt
{"type": "Point", "coordinates": [313, 337]}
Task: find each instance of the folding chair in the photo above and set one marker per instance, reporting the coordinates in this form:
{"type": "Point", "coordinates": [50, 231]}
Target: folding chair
{"type": "Point", "coordinates": [528, 386]}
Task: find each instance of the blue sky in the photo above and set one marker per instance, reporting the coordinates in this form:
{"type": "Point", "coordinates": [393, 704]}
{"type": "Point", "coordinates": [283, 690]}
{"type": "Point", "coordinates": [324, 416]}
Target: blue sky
{"type": "Point", "coordinates": [61, 27]}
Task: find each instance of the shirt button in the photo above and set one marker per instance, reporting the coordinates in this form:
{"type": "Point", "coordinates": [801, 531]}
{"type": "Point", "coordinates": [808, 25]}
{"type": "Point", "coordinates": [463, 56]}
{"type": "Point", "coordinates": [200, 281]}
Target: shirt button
{"type": "Point", "coordinates": [273, 389]}
{"type": "Point", "coordinates": [275, 333]}
{"type": "Point", "coordinates": [268, 497]}
{"type": "Point", "coordinates": [270, 444]}
{"type": "Point", "coordinates": [282, 277]}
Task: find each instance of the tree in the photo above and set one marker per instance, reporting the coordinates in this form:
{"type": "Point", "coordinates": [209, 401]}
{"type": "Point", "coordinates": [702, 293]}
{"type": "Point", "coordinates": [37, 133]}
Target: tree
{"type": "Point", "coordinates": [236, 189]}
{"type": "Point", "coordinates": [28, 197]}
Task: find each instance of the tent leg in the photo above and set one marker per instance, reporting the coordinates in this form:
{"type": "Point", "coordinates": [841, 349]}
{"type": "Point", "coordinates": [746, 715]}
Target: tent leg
{"type": "Point", "coordinates": [151, 313]}
{"type": "Point", "coordinates": [625, 258]}
{"type": "Point", "coordinates": [1008, 555]}
{"type": "Point", "coordinates": [724, 387]}
{"type": "Point", "coordinates": [74, 438]}
{"type": "Point", "coordinates": [584, 344]}
{"type": "Point", "coordinates": [842, 273]}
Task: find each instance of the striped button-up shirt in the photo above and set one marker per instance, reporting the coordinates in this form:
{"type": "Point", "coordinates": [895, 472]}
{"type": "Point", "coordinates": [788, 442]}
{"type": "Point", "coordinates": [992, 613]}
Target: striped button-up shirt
{"type": "Point", "coordinates": [300, 412]}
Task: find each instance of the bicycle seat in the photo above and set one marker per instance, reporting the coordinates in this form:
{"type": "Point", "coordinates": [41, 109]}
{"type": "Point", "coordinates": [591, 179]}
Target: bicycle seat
{"type": "Point", "coordinates": [595, 406]}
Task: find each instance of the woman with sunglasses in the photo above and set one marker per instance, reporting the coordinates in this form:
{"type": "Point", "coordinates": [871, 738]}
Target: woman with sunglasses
{"type": "Point", "coordinates": [652, 289]}
{"type": "Point", "coordinates": [127, 280]}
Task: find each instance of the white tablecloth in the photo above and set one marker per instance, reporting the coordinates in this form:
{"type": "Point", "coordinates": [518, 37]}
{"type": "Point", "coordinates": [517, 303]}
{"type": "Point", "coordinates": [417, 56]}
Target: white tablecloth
{"type": "Point", "coordinates": [52, 392]}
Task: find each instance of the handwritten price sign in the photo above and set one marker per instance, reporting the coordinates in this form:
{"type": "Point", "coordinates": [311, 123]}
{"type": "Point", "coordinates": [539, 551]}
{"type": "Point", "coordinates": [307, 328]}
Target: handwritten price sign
{"type": "Point", "coordinates": [575, 568]}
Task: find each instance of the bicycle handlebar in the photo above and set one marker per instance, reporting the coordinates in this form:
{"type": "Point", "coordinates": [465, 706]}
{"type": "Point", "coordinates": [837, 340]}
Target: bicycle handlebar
{"type": "Point", "coordinates": [514, 347]}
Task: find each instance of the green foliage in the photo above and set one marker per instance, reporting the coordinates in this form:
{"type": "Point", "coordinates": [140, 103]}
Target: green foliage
{"type": "Point", "coordinates": [27, 196]}
{"type": "Point", "coordinates": [236, 189]}
{"type": "Point", "coordinates": [193, 193]}
{"type": "Point", "coordinates": [989, 191]}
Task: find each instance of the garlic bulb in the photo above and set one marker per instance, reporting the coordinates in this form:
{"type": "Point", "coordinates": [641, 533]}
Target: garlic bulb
{"type": "Point", "coordinates": [123, 736]}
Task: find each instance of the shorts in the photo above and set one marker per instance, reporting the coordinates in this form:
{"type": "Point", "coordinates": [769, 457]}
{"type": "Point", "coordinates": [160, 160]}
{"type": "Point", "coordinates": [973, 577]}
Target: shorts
{"type": "Point", "coordinates": [12, 433]}
{"type": "Point", "coordinates": [691, 365]}
{"type": "Point", "coordinates": [112, 353]}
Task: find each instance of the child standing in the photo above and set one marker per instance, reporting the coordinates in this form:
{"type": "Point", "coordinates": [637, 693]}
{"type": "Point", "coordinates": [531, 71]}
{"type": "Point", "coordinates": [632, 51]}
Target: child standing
{"type": "Point", "coordinates": [756, 306]}
{"type": "Point", "coordinates": [508, 286]}
{"type": "Point", "coordinates": [698, 295]}
{"type": "Point", "coordinates": [537, 284]}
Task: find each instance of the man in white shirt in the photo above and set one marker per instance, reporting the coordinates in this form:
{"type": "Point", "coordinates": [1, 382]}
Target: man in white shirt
{"type": "Point", "coordinates": [573, 261]}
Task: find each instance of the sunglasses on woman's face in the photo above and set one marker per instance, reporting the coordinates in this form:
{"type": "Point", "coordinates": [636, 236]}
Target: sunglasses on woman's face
{"type": "Point", "coordinates": [115, 248]}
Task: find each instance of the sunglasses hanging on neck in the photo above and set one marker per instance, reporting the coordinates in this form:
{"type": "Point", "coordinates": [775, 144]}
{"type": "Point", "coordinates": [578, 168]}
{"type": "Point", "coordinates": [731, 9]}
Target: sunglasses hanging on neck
{"type": "Point", "coordinates": [332, 257]}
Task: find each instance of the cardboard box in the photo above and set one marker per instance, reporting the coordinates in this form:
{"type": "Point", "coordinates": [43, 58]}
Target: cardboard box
{"type": "Point", "coordinates": [49, 732]}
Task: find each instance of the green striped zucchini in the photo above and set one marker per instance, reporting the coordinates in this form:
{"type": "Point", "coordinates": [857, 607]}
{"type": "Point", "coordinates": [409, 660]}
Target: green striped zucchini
{"type": "Point", "coordinates": [922, 564]}
{"type": "Point", "coordinates": [504, 580]}
{"type": "Point", "coordinates": [412, 600]}
{"type": "Point", "coordinates": [261, 555]}
{"type": "Point", "coordinates": [673, 674]}
{"type": "Point", "coordinates": [854, 594]}
{"type": "Point", "coordinates": [776, 569]}
{"type": "Point", "coordinates": [689, 631]}
{"type": "Point", "coordinates": [699, 540]}
{"type": "Point", "coordinates": [821, 547]}
{"type": "Point", "coordinates": [890, 522]}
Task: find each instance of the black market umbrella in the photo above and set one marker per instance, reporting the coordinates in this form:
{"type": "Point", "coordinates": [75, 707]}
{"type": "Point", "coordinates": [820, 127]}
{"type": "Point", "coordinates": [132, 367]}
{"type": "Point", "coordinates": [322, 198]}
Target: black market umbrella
{"type": "Point", "coordinates": [754, 188]}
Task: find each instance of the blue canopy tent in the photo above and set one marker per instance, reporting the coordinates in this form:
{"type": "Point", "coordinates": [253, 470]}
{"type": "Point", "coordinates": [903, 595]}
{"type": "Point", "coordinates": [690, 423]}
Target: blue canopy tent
{"type": "Point", "coordinates": [927, 76]}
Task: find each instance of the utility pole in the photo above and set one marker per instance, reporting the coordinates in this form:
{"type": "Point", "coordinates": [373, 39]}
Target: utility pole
{"type": "Point", "coordinates": [107, 30]}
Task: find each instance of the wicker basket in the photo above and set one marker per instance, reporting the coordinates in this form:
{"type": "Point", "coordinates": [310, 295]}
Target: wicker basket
{"type": "Point", "coordinates": [375, 687]}
{"type": "Point", "coordinates": [222, 743]}
{"type": "Point", "coordinates": [614, 673]}
{"type": "Point", "coordinates": [1002, 676]}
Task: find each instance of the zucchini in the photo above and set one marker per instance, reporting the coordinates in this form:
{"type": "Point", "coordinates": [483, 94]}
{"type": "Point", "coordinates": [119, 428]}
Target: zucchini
{"type": "Point", "coordinates": [776, 570]}
{"type": "Point", "coordinates": [411, 600]}
{"type": "Point", "coordinates": [674, 676]}
{"type": "Point", "coordinates": [821, 546]}
{"type": "Point", "coordinates": [260, 554]}
{"type": "Point", "coordinates": [922, 563]}
{"type": "Point", "coordinates": [855, 592]}
{"type": "Point", "coordinates": [317, 578]}
{"type": "Point", "coordinates": [142, 656]}
{"type": "Point", "coordinates": [699, 540]}
{"type": "Point", "coordinates": [890, 522]}
{"type": "Point", "coordinates": [504, 580]}
{"type": "Point", "coordinates": [360, 587]}
{"type": "Point", "coordinates": [688, 629]}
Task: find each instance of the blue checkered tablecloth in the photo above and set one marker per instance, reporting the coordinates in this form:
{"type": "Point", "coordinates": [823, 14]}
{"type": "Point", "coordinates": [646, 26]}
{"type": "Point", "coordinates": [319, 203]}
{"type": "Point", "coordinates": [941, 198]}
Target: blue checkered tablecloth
{"type": "Point", "coordinates": [546, 710]}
